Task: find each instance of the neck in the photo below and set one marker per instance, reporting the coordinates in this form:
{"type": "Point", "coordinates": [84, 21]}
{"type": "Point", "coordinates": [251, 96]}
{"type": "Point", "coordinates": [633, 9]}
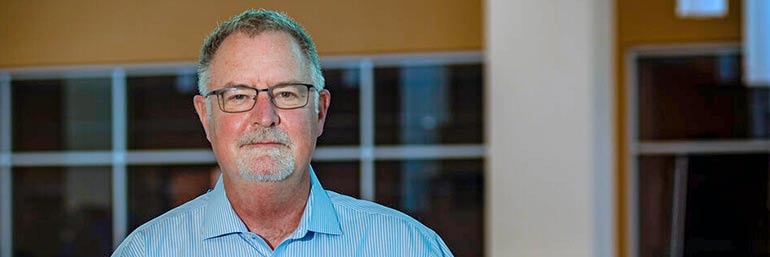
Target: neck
{"type": "Point", "coordinates": [271, 210]}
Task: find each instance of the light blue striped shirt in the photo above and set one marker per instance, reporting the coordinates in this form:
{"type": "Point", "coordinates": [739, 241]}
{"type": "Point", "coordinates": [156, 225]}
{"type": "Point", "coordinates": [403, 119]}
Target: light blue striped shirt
{"type": "Point", "coordinates": [332, 225]}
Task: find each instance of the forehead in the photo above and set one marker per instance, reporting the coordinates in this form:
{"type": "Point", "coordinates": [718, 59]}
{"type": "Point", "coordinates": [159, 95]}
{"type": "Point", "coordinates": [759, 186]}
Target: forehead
{"type": "Point", "coordinates": [267, 57]}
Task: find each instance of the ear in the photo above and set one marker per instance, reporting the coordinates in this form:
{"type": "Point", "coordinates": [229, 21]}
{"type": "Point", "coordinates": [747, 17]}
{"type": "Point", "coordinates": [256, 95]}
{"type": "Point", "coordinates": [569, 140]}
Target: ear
{"type": "Point", "coordinates": [324, 99]}
{"type": "Point", "coordinates": [200, 107]}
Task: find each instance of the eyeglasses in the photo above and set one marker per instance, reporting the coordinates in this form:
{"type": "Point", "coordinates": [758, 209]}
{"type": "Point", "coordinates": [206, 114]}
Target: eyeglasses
{"type": "Point", "coordinates": [242, 99]}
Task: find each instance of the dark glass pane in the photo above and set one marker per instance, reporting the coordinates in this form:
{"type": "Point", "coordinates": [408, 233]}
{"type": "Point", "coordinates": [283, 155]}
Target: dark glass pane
{"type": "Point", "coordinates": [62, 211]}
{"type": "Point", "coordinates": [656, 184]}
{"type": "Point", "coordinates": [342, 123]}
{"type": "Point", "coordinates": [727, 208]}
{"type": "Point", "coordinates": [153, 190]}
{"type": "Point", "coordinates": [446, 195]}
{"type": "Point", "coordinates": [429, 105]}
{"type": "Point", "coordinates": [340, 177]}
{"type": "Point", "coordinates": [722, 205]}
{"type": "Point", "coordinates": [699, 97]}
{"type": "Point", "coordinates": [161, 113]}
{"type": "Point", "coordinates": [62, 114]}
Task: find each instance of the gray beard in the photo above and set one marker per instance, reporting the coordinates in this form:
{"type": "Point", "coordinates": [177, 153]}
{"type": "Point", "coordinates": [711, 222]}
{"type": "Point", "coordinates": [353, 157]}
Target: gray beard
{"type": "Point", "coordinates": [277, 163]}
{"type": "Point", "coordinates": [278, 168]}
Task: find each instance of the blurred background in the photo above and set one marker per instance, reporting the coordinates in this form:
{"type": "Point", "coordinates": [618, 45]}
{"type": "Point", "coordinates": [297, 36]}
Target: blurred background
{"type": "Point", "coordinates": [512, 128]}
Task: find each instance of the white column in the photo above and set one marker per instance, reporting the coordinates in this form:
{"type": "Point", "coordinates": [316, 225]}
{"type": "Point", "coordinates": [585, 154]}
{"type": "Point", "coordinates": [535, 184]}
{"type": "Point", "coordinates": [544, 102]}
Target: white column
{"type": "Point", "coordinates": [550, 182]}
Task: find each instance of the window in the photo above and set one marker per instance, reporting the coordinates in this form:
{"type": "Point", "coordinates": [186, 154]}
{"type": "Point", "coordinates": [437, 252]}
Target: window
{"type": "Point", "coordinates": [699, 164]}
{"type": "Point", "coordinates": [108, 148]}
{"type": "Point", "coordinates": [66, 208]}
{"type": "Point", "coordinates": [446, 195]}
{"type": "Point", "coordinates": [432, 104]}
{"type": "Point", "coordinates": [61, 114]}
{"type": "Point", "coordinates": [161, 114]}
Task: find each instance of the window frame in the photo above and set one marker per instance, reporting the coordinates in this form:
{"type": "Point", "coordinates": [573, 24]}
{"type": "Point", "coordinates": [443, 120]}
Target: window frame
{"type": "Point", "coordinates": [678, 149]}
{"type": "Point", "coordinates": [120, 157]}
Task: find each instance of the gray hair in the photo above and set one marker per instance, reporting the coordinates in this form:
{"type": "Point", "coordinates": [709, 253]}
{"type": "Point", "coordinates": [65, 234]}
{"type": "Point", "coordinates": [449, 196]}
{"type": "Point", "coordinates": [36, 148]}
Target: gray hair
{"type": "Point", "coordinates": [252, 23]}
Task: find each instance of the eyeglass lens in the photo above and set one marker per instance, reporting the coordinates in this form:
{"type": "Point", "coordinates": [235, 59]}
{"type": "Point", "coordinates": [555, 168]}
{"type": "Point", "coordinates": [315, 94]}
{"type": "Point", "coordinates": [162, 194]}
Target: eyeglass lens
{"type": "Point", "coordinates": [282, 96]}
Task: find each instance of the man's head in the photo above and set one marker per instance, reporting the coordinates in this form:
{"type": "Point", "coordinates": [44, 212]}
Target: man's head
{"type": "Point", "coordinates": [268, 138]}
{"type": "Point", "coordinates": [251, 23]}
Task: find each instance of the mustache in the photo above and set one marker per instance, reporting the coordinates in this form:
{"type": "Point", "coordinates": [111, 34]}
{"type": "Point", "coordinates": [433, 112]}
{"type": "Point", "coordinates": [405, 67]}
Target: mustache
{"type": "Point", "coordinates": [265, 135]}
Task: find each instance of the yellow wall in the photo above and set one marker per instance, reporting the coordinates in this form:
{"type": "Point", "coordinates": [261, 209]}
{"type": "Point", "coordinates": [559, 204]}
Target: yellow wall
{"type": "Point", "coordinates": [52, 32]}
{"type": "Point", "coordinates": [654, 22]}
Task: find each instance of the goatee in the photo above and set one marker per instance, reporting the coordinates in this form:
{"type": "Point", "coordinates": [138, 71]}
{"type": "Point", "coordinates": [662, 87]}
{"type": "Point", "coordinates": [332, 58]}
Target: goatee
{"type": "Point", "coordinates": [266, 164]}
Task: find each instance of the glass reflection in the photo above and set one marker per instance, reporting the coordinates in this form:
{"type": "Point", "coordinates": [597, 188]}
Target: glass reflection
{"type": "Point", "coordinates": [62, 211]}
{"type": "Point", "coordinates": [656, 184]}
{"type": "Point", "coordinates": [62, 114]}
{"type": "Point", "coordinates": [340, 177]}
{"type": "Point", "coordinates": [161, 113]}
{"type": "Point", "coordinates": [445, 195]}
{"type": "Point", "coordinates": [699, 97]}
{"type": "Point", "coordinates": [429, 104]}
{"type": "Point", "coordinates": [153, 190]}
{"type": "Point", "coordinates": [342, 123]}
{"type": "Point", "coordinates": [704, 205]}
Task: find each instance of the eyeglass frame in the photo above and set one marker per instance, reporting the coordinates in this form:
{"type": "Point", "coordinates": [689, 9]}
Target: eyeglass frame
{"type": "Point", "coordinates": [269, 90]}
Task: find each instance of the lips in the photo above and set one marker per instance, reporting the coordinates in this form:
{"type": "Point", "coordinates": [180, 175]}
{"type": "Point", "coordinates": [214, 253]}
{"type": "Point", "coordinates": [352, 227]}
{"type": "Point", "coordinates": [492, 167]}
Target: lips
{"type": "Point", "coordinates": [271, 137]}
{"type": "Point", "coordinates": [261, 144]}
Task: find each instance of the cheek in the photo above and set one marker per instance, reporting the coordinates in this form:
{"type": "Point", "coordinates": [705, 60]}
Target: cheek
{"type": "Point", "coordinates": [303, 131]}
{"type": "Point", "coordinates": [225, 130]}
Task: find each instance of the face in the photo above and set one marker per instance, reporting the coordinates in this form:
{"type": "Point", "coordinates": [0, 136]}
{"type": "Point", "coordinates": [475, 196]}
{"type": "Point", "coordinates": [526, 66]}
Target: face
{"type": "Point", "coordinates": [265, 143]}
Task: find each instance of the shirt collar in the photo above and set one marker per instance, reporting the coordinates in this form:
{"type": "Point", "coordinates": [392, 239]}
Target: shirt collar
{"type": "Point", "coordinates": [319, 215]}
{"type": "Point", "coordinates": [219, 218]}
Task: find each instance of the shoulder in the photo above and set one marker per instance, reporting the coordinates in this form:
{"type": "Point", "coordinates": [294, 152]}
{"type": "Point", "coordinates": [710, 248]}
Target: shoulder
{"type": "Point", "coordinates": [349, 205]}
{"type": "Point", "coordinates": [179, 221]}
{"type": "Point", "coordinates": [372, 219]}
{"type": "Point", "coordinates": [373, 224]}
{"type": "Point", "coordinates": [188, 212]}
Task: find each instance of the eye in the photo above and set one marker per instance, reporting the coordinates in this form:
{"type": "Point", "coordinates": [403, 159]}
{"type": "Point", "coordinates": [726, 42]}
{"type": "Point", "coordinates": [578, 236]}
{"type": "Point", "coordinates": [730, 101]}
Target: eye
{"type": "Point", "coordinates": [238, 97]}
{"type": "Point", "coordinates": [286, 94]}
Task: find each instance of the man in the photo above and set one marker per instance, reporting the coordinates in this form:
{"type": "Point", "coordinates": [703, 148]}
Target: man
{"type": "Point", "coordinates": [263, 105]}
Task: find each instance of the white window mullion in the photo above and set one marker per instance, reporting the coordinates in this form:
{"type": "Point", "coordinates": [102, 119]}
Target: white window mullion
{"type": "Point", "coordinates": [367, 130]}
{"type": "Point", "coordinates": [6, 177]}
{"type": "Point", "coordinates": [119, 197]}
{"type": "Point", "coordinates": [428, 152]}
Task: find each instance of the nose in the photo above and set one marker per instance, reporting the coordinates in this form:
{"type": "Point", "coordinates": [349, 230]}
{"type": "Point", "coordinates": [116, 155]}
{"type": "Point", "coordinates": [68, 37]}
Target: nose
{"type": "Point", "coordinates": [264, 112]}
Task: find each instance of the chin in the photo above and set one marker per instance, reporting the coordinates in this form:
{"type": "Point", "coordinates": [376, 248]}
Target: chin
{"type": "Point", "coordinates": [255, 176]}
{"type": "Point", "coordinates": [271, 165]}
{"type": "Point", "coordinates": [266, 169]}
